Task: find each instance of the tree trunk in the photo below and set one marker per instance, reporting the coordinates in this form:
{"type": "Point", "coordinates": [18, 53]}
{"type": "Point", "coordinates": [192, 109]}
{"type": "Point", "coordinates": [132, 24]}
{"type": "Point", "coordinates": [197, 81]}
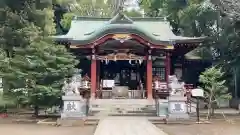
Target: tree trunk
{"type": "Point", "coordinates": [212, 109]}
{"type": "Point", "coordinates": [5, 85]}
{"type": "Point", "coordinates": [209, 111]}
{"type": "Point", "coordinates": [36, 110]}
{"type": "Point", "coordinates": [209, 107]}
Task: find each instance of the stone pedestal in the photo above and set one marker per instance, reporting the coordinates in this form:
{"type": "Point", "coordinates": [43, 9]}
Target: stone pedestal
{"type": "Point", "coordinates": [74, 107]}
{"type": "Point", "coordinates": [74, 110]}
{"type": "Point", "coordinates": [177, 108]}
{"type": "Point", "coordinates": [162, 108]}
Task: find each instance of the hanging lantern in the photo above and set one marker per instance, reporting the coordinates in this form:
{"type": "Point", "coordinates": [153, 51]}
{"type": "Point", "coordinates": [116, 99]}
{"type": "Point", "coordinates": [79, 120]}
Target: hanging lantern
{"type": "Point", "coordinates": [115, 57]}
{"type": "Point", "coordinates": [93, 54]}
{"type": "Point", "coordinates": [122, 41]}
{"type": "Point", "coordinates": [149, 57]}
{"type": "Point", "coordinates": [93, 57]}
{"type": "Point", "coordinates": [130, 61]}
{"type": "Point", "coordinates": [140, 61]}
{"type": "Point", "coordinates": [106, 60]}
{"type": "Point", "coordinates": [149, 54]}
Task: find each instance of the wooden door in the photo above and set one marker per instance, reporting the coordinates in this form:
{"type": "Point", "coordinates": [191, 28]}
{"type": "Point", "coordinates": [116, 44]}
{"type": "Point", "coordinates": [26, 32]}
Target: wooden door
{"type": "Point", "coordinates": [129, 77]}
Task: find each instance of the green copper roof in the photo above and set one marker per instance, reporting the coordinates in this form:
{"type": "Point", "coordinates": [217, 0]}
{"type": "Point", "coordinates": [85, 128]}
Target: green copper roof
{"type": "Point", "coordinates": [193, 55]}
{"type": "Point", "coordinates": [85, 30]}
{"type": "Point", "coordinates": [198, 54]}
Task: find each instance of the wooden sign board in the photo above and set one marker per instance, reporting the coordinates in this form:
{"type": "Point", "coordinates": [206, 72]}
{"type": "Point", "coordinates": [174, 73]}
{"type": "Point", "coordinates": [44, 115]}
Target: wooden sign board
{"type": "Point", "coordinates": [197, 93]}
{"type": "Point", "coordinates": [108, 83]}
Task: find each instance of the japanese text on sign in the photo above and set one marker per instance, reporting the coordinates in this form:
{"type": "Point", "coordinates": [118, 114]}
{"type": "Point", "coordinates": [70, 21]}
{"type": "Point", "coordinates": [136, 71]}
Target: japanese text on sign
{"type": "Point", "coordinates": [71, 106]}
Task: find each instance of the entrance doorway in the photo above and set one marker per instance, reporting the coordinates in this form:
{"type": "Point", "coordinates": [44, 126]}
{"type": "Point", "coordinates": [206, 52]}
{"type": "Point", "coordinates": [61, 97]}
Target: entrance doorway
{"type": "Point", "coordinates": [124, 73]}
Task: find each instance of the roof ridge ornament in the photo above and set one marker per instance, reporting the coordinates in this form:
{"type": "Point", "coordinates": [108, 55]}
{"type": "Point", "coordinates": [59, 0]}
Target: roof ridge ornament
{"type": "Point", "coordinates": [120, 18]}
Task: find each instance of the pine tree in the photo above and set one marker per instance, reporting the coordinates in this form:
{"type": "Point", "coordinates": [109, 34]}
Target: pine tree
{"type": "Point", "coordinates": [32, 67]}
{"type": "Point", "coordinates": [214, 87]}
{"type": "Point", "coordinates": [42, 66]}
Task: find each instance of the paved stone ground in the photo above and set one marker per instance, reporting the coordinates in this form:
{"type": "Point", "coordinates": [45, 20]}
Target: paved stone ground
{"type": "Point", "coordinates": [27, 129]}
{"type": "Point", "coordinates": [227, 111]}
{"type": "Point", "coordinates": [127, 126]}
{"type": "Point", "coordinates": [215, 128]}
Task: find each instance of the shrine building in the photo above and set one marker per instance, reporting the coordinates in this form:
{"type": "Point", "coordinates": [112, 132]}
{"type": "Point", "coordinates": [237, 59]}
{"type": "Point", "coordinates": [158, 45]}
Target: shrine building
{"type": "Point", "coordinates": [131, 52]}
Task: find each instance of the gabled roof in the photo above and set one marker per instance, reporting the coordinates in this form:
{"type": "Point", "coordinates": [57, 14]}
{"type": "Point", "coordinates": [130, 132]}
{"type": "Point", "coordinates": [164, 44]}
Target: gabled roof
{"type": "Point", "coordinates": [85, 30]}
{"type": "Point", "coordinates": [198, 54]}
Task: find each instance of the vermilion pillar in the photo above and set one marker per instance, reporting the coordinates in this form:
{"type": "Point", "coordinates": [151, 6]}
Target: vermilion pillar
{"type": "Point", "coordinates": [167, 66]}
{"type": "Point", "coordinates": [93, 77]}
{"type": "Point", "coordinates": [98, 78]}
{"type": "Point", "coordinates": [149, 76]}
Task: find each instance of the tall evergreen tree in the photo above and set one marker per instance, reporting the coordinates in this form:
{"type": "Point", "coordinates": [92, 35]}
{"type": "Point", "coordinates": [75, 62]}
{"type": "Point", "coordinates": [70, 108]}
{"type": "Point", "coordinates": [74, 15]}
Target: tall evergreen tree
{"type": "Point", "coordinates": [33, 67]}
{"type": "Point", "coordinates": [43, 67]}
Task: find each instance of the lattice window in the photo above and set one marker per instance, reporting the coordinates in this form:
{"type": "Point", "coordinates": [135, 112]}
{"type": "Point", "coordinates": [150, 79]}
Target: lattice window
{"type": "Point", "coordinates": [160, 72]}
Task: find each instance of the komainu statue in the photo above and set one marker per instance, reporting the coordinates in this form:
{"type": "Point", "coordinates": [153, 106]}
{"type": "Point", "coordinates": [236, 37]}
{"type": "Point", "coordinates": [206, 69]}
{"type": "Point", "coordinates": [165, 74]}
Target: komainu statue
{"type": "Point", "coordinates": [177, 88]}
{"type": "Point", "coordinates": [71, 87]}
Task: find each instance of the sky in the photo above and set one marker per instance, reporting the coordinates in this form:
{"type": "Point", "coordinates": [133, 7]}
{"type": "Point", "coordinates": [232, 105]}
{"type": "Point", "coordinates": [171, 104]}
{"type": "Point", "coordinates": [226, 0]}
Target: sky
{"type": "Point", "coordinates": [132, 3]}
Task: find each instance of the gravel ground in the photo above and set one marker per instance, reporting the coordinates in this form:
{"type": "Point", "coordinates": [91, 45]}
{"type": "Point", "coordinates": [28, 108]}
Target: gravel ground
{"type": "Point", "coordinates": [215, 128]}
{"type": "Point", "coordinates": [32, 129]}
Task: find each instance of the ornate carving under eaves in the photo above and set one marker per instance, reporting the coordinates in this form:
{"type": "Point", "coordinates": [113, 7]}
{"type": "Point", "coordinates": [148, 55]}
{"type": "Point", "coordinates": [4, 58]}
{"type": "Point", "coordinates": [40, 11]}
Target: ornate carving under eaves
{"type": "Point", "coordinates": [122, 37]}
{"type": "Point", "coordinates": [120, 56]}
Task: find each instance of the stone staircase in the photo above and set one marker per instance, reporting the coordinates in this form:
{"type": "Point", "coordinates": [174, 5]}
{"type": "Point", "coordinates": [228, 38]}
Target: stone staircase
{"type": "Point", "coordinates": [122, 107]}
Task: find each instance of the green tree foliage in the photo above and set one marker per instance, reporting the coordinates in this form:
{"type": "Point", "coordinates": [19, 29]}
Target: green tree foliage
{"type": "Point", "coordinates": [66, 21]}
{"type": "Point", "coordinates": [97, 8]}
{"type": "Point", "coordinates": [214, 87]}
{"type": "Point", "coordinates": [41, 67]}
{"type": "Point", "coordinates": [32, 67]}
{"type": "Point", "coordinates": [201, 18]}
{"type": "Point", "coordinates": [23, 21]}
{"type": "Point", "coordinates": [133, 13]}
{"type": "Point", "coordinates": [216, 19]}
{"type": "Point", "coordinates": [93, 8]}
{"type": "Point", "coordinates": [187, 17]}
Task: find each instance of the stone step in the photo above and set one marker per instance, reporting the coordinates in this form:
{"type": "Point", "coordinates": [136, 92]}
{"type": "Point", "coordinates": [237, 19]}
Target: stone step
{"type": "Point", "coordinates": [119, 107]}
{"type": "Point", "coordinates": [122, 107]}
{"type": "Point", "coordinates": [91, 122]}
{"type": "Point", "coordinates": [94, 120]}
{"type": "Point", "coordinates": [121, 113]}
{"type": "Point", "coordinates": [126, 108]}
{"type": "Point", "coordinates": [133, 114]}
{"type": "Point", "coordinates": [70, 122]}
{"type": "Point", "coordinates": [123, 101]}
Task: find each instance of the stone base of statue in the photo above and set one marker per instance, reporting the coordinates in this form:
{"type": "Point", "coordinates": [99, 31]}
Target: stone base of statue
{"type": "Point", "coordinates": [177, 108]}
{"type": "Point", "coordinates": [162, 108]}
{"type": "Point", "coordinates": [74, 110]}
